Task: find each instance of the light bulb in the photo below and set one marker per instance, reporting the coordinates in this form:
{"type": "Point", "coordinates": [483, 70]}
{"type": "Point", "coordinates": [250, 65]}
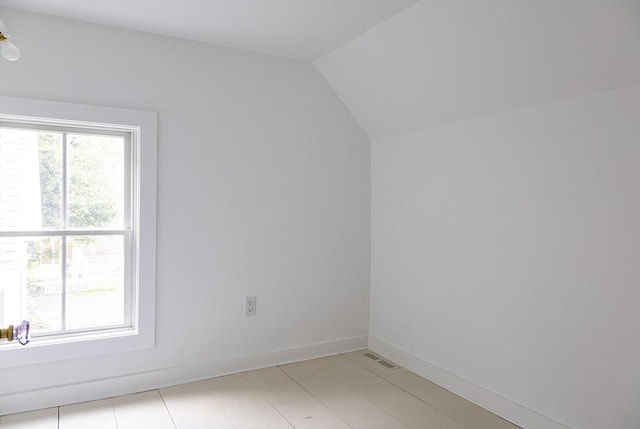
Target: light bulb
{"type": "Point", "coordinates": [9, 50]}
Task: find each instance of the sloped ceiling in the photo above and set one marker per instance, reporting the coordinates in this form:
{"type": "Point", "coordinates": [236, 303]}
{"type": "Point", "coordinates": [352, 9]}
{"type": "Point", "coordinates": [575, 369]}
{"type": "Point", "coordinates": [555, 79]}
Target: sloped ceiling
{"type": "Point", "coordinates": [302, 29]}
{"type": "Point", "coordinates": [401, 65]}
{"type": "Point", "coordinates": [438, 62]}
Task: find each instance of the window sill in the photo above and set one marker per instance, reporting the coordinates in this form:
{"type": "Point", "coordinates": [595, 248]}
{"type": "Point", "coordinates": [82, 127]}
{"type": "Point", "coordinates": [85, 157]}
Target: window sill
{"type": "Point", "coordinates": [41, 350]}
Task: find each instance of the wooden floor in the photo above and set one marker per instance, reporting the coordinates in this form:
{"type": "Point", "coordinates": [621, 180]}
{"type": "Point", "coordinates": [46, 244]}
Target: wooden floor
{"type": "Point", "coordinates": [337, 392]}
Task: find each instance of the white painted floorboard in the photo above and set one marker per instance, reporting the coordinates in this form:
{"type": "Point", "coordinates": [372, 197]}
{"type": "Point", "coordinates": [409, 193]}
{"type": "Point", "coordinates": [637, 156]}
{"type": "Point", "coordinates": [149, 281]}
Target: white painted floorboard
{"type": "Point", "coordinates": [349, 391]}
{"type": "Point", "coordinates": [40, 419]}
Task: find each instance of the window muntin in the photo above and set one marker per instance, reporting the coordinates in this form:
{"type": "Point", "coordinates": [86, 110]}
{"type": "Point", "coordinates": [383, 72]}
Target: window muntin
{"type": "Point", "coordinates": [66, 194]}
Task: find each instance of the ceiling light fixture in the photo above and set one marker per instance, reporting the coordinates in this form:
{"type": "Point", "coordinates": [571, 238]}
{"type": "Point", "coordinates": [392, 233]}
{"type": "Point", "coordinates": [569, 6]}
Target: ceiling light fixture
{"type": "Point", "coordinates": [8, 49]}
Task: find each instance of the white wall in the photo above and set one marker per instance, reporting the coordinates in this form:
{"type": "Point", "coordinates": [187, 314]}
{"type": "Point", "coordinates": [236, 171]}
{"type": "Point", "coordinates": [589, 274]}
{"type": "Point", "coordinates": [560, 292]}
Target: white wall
{"type": "Point", "coordinates": [263, 189]}
{"type": "Point", "coordinates": [505, 258]}
{"type": "Point", "coordinates": [506, 244]}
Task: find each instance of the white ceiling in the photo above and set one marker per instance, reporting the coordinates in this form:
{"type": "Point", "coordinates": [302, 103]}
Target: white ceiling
{"type": "Point", "coordinates": [400, 65]}
{"type": "Point", "coordinates": [439, 62]}
{"type": "Point", "coordinates": [302, 29]}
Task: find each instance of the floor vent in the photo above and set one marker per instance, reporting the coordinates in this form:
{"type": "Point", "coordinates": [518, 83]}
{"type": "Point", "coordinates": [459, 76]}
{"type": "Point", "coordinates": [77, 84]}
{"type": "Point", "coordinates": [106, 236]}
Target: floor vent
{"type": "Point", "coordinates": [387, 364]}
{"type": "Point", "coordinates": [371, 356]}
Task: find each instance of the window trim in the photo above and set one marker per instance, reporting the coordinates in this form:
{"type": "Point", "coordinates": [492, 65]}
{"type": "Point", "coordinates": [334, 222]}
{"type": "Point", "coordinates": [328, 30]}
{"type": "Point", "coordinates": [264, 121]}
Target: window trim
{"type": "Point", "coordinates": [143, 125]}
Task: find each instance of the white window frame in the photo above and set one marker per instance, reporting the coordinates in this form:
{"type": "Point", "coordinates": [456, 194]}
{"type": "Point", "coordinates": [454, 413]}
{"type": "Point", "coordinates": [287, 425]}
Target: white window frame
{"type": "Point", "coordinates": [65, 231]}
{"type": "Point", "coordinates": [142, 125]}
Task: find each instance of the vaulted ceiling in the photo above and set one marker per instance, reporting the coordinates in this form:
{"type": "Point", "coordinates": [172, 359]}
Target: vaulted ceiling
{"type": "Point", "coordinates": [302, 29]}
{"type": "Point", "coordinates": [401, 65]}
{"type": "Point", "coordinates": [439, 62]}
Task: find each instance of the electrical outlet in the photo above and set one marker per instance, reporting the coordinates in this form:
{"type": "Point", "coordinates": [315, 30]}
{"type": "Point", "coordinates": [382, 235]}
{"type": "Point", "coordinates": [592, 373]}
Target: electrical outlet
{"type": "Point", "coordinates": [249, 306]}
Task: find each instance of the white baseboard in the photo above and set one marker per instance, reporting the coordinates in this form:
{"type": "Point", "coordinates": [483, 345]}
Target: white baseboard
{"type": "Point", "coordinates": [90, 390]}
{"type": "Point", "coordinates": [506, 408]}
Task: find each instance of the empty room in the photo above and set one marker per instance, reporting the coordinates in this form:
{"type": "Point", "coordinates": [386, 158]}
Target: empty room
{"type": "Point", "coordinates": [320, 214]}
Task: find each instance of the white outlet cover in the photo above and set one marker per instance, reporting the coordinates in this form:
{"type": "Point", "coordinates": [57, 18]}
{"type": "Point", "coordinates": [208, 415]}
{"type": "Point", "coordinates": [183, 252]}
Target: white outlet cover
{"type": "Point", "coordinates": [250, 306]}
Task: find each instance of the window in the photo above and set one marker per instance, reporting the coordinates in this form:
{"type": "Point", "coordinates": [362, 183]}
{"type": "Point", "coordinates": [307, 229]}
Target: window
{"type": "Point", "coordinates": [77, 228]}
{"type": "Point", "coordinates": [66, 237]}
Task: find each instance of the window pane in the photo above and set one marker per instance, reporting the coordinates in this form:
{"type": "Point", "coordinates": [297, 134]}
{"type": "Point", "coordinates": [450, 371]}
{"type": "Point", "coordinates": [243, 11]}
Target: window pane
{"type": "Point", "coordinates": [95, 281]}
{"type": "Point", "coordinates": [96, 181]}
{"type": "Point", "coordinates": [30, 179]}
{"type": "Point", "coordinates": [31, 282]}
